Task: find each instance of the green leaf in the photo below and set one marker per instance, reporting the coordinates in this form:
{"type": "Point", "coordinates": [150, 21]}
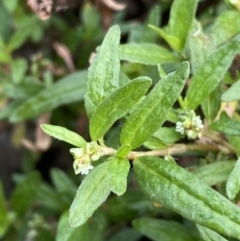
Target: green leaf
{"type": "Point", "coordinates": [68, 90]}
{"type": "Point", "coordinates": [162, 137]}
{"type": "Point", "coordinates": [24, 194]}
{"type": "Point", "coordinates": [67, 233]}
{"type": "Point", "coordinates": [215, 172]}
{"type": "Point", "coordinates": [93, 191]}
{"type": "Point", "coordinates": [151, 113]}
{"type": "Point", "coordinates": [27, 88]}
{"type": "Point", "coordinates": [103, 73]}
{"type": "Point", "coordinates": [141, 33]}
{"type": "Point", "coordinates": [118, 169]}
{"type": "Point", "coordinates": [48, 198]}
{"type": "Point", "coordinates": [233, 182]}
{"type": "Point", "coordinates": [126, 234]}
{"type": "Point", "coordinates": [226, 26]}
{"type": "Point", "coordinates": [211, 105]}
{"type": "Point", "coordinates": [4, 222]}
{"type": "Point", "coordinates": [116, 105]}
{"type": "Point", "coordinates": [167, 135]}
{"type": "Point", "coordinates": [22, 34]}
{"type": "Point", "coordinates": [232, 93]}
{"type": "Point", "coordinates": [5, 26]}
{"type": "Point", "coordinates": [7, 110]}
{"type": "Point", "coordinates": [181, 19]}
{"type": "Point", "coordinates": [209, 74]}
{"type": "Point", "coordinates": [226, 125]}
{"type": "Point", "coordinates": [173, 42]}
{"type": "Point", "coordinates": [158, 230]}
{"type": "Point", "coordinates": [61, 181]}
{"type": "Point", "coordinates": [64, 134]}
{"type": "Point", "coordinates": [92, 230]}
{"type": "Point", "coordinates": [179, 190]}
{"type": "Point", "coordinates": [123, 151]}
{"type": "Point", "coordinates": [200, 46]}
{"type": "Point", "coordinates": [208, 234]}
{"type": "Point", "coordinates": [146, 53]}
{"type": "Point", "coordinates": [18, 70]}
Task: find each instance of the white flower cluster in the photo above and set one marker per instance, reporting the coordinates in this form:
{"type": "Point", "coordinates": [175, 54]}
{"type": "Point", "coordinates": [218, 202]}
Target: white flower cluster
{"type": "Point", "coordinates": [83, 157]}
{"type": "Point", "coordinates": [190, 125]}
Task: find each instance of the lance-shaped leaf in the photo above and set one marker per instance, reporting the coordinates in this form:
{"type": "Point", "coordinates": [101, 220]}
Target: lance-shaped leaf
{"type": "Point", "coordinates": [209, 235]}
{"type": "Point", "coordinates": [233, 182]}
{"type": "Point", "coordinates": [67, 90]}
{"type": "Point", "coordinates": [116, 105]}
{"type": "Point", "coordinates": [181, 18]}
{"type": "Point", "coordinates": [232, 93]}
{"type": "Point", "coordinates": [210, 73]}
{"type": "Point", "coordinates": [103, 73]}
{"type": "Point", "coordinates": [179, 190]}
{"type": "Point", "coordinates": [200, 46]}
{"type": "Point", "coordinates": [92, 192]}
{"type": "Point", "coordinates": [226, 26]}
{"type": "Point", "coordinates": [146, 53]}
{"type": "Point", "coordinates": [215, 172]}
{"type": "Point", "coordinates": [158, 230]}
{"type": "Point", "coordinates": [118, 169]}
{"type": "Point", "coordinates": [92, 230]}
{"type": "Point", "coordinates": [153, 110]}
{"type": "Point", "coordinates": [226, 125]}
{"type": "Point", "coordinates": [64, 134]}
{"type": "Point", "coordinates": [173, 42]}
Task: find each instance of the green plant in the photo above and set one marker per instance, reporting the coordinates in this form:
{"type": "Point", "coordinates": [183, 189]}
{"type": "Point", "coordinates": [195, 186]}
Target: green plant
{"type": "Point", "coordinates": [141, 125]}
{"type": "Point", "coordinates": [142, 113]}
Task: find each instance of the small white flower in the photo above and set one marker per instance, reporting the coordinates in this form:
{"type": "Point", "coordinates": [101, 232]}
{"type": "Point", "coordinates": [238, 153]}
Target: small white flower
{"type": "Point", "coordinates": [190, 125]}
{"type": "Point", "coordinates": [82, 167]}
{"type": "Point", "coordinates": [179, 127]}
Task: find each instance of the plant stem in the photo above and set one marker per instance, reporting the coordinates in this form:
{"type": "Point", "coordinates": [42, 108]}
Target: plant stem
{"type": "Point", "coordinates": [174, 149]}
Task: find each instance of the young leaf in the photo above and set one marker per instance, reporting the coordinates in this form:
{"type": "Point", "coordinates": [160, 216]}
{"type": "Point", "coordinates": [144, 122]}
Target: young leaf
{"type": "Point", "coordinates": [146, 53]}
{"type": "Point", "coordinates": [151, 113]}
{"type": "Point", "coordinates": [208, 234]}
{"type": "Point", "coordinates": [116, 105]}
{"type": "Point", "coordinates": [233, 182]}
{"type": "Point", "coordinates": [226, 125]}
{"type": "Point", "coordinates": [181, 19]}
{"type": "Point", "coordinates": [118, 169]}
{"type": "Point", "coordinates": [64, 134]}
{"type": "Point", "coordinates": [92, 192]}
{"type": "Point", "coordinates": [232, 93]}
{"type": "Point", "coordinates": [103, 73]}
{"type": "Point", "coordinates": [180, 191]}
{"type": "Point", "coordinates": [173, 42]}
{"type": "Point", "coordinates": [123, 151]}
{"type": "Point", "coordinates": [158, 230]}
{"type": "Point", "coordinates": [67, 90]}
{"type": "Point", "coordinates": [215, 172]}
{"type": "Point", "coordinates": [209, 74]}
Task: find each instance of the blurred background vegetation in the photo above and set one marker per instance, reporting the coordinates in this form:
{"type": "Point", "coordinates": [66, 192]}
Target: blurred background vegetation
{"type": "Point", "coordinates": [43, 62]}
